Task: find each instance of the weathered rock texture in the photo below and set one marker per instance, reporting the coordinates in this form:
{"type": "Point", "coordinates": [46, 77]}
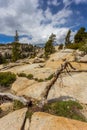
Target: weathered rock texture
{"type": "Point", "coordinates": [44, 121]}
{"type": "Point", "coordinates": [34, 91]}
{"type": "Point", "coordinates": [21, 83]}
{"type": "Point", "coordinates": [6, 106]}
{"type": "Point", "coordinates": [29, 88]}
{"type": "Point", "coordinates": [13, 121]}
{"type": "Point", "coordinates": [74, 85]}
{"type": "Point", "coordinates": [83, 59]}
{"type": "Point", "coordinates": [27, 124]}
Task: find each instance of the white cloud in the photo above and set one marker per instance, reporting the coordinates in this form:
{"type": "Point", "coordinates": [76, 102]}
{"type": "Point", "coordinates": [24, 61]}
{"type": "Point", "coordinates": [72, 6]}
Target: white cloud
{"type": "Point", "coordinates": [24, 16]}
{"type": "Point", "coordinates": [80, 1]}
{"type": "Point", "coordinates": [53, 2]}
{"type": "Point", "coordinates": [24, 40]}
{"type": "Point", "coordinates": [68, 2]}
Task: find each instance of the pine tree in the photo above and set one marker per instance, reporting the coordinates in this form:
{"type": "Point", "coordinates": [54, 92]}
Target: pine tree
{"type": "Point", "coordinates": [67, 38]}
{"type": "Point", "coordinates": [49, 48]}
{"type": "Point", "coordinates": [16, 48]}
{"type": "Point", "coordinates": [1, 58]}
{"type": "Point", "coordinates": [80, 35]}
{"type": "Point", "coordinates": [16, 37]}
{"type": "Point", "coordinates": [15, 51]}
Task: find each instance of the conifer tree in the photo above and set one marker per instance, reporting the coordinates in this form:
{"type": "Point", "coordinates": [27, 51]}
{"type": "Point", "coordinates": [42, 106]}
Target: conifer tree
{"type": "Point", "coordinates": [67, 38]}
{"type": "Point", "coordinates": [49, 48]}
{"type": "Point", "coordinates": [80, 36]}
{"type": "Point", "coordinates": [16, 37]}
{"type": "Point", "coordinates": [16, 48]}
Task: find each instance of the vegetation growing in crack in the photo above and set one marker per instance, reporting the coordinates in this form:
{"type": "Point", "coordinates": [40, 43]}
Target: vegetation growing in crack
{"type": "Point", "coordinates": [50, 77]}
{"type": "Point", "coordinates": [29, 114]}
{"type": "Point", "coordinates": [17, 105]}
{"type": "Point", "coordinates": [21, 75]}
{"type": "Point", "coordinates": [29, 76]}
{"type": "Point", "coordinates": [0, 110]}
{"type": "Point", "coordinates": [7, 78]}
{"type": "Point", "coordinates": [39, 80]}
{"type": "Point", "coordinates": [69, 109]}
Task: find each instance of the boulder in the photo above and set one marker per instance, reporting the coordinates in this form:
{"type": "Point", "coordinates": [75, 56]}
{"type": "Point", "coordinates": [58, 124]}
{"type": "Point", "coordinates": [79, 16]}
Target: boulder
{"type": "Point", "coordinates": [30, 88]}
{"type": "Point", "coordinates": [40, 54]}
{"type": "Point", "coordinates": [14, 120]}
{"type": "Point", "coordinates": [21, 83]}
{"type": "Point", "coordinates": [38, 60]}
{"type": "Point", "coordinates": [44, 121]}
{"type": "Point", "coordinates": [6, 106]}
{"type": "Point", "coordinates": [34, 91]}
{"type": "Point", "coordinates": [83, 59]}
{"type": "Point", "coordinates": [70, 86]}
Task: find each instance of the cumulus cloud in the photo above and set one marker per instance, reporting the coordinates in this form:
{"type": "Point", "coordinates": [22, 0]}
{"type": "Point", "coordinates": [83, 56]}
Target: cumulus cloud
{"type": "Point", "coordinates": [80, 1]}
{"type": "Point", "coordinates": [24, 40]}
{"type": "Point", "coordinates": [53, 2]}
{"type": "Point", "coordinates": [69, 2]}
{"type": "Point", "coordinates": [26, 17]}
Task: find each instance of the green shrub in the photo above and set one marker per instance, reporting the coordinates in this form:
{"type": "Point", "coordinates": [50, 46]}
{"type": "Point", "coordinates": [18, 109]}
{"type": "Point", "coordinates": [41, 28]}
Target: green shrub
{"type": "Point", "coordinates": [17, 105]}
{"type": "Point", "coordinates": [29, 114]}
{"type": "Point", "coordinates": [69, 109]}
{"type": "Point", "coordinates": [7, 78]}
{"type": "Point", "coordinates": [2, 59]}
{"type": "Point", "coordinates": [40, 80]}
{"type": "Point", "coordinates": [75, 45]}
{"type": "Point", "coordinates": [60, 46]}
{"type": "Point", "coordinates": [0, 110]}
{"type": "Point", "coordinates": [1, 115]}
{"type": "Point", "coordinates": [50, 77]}
{"type": "Point", "coordinates": [36, 79]}
{"type": "Point", "coordinates": [22, 75]}
{"type": "Point", "coordinates": [46, 55]}
{"type": "Point", "coordinates": [83, 48]}
{"type": "Point", "coordinates": [30, 76]}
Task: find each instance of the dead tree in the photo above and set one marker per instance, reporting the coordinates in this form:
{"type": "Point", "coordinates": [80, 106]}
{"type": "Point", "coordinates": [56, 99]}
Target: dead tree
{"type": "Point", "coordinates": [28, 102]}
{"type": "Point", "coordinates": [64, 66]}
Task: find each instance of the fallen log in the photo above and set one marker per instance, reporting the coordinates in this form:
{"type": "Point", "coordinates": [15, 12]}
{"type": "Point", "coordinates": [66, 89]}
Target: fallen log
{"type": "Point", "coordinates": [64, 66]}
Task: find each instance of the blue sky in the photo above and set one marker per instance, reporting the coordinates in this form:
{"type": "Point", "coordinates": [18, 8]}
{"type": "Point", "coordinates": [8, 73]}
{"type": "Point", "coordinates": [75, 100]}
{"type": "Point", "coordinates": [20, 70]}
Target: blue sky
{"type": "Point", "coordinates": [35, 20]}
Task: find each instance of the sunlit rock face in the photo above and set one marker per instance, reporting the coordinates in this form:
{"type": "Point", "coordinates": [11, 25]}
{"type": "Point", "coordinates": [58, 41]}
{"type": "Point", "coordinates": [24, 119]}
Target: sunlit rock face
{"type": "Point", "coordinates": [70, 86]}
{"type": "Point", "coordinates": [13, 121]}
{"type": "Point", "coordinates": [42, 121]}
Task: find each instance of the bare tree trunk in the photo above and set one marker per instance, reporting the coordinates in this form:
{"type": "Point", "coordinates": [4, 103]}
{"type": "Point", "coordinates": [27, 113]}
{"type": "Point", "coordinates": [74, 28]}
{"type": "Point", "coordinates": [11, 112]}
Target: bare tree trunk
{"type": "Point", "coordinates": [58, 72]}
{"type": "Point", "coordinates": [28, 102]}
